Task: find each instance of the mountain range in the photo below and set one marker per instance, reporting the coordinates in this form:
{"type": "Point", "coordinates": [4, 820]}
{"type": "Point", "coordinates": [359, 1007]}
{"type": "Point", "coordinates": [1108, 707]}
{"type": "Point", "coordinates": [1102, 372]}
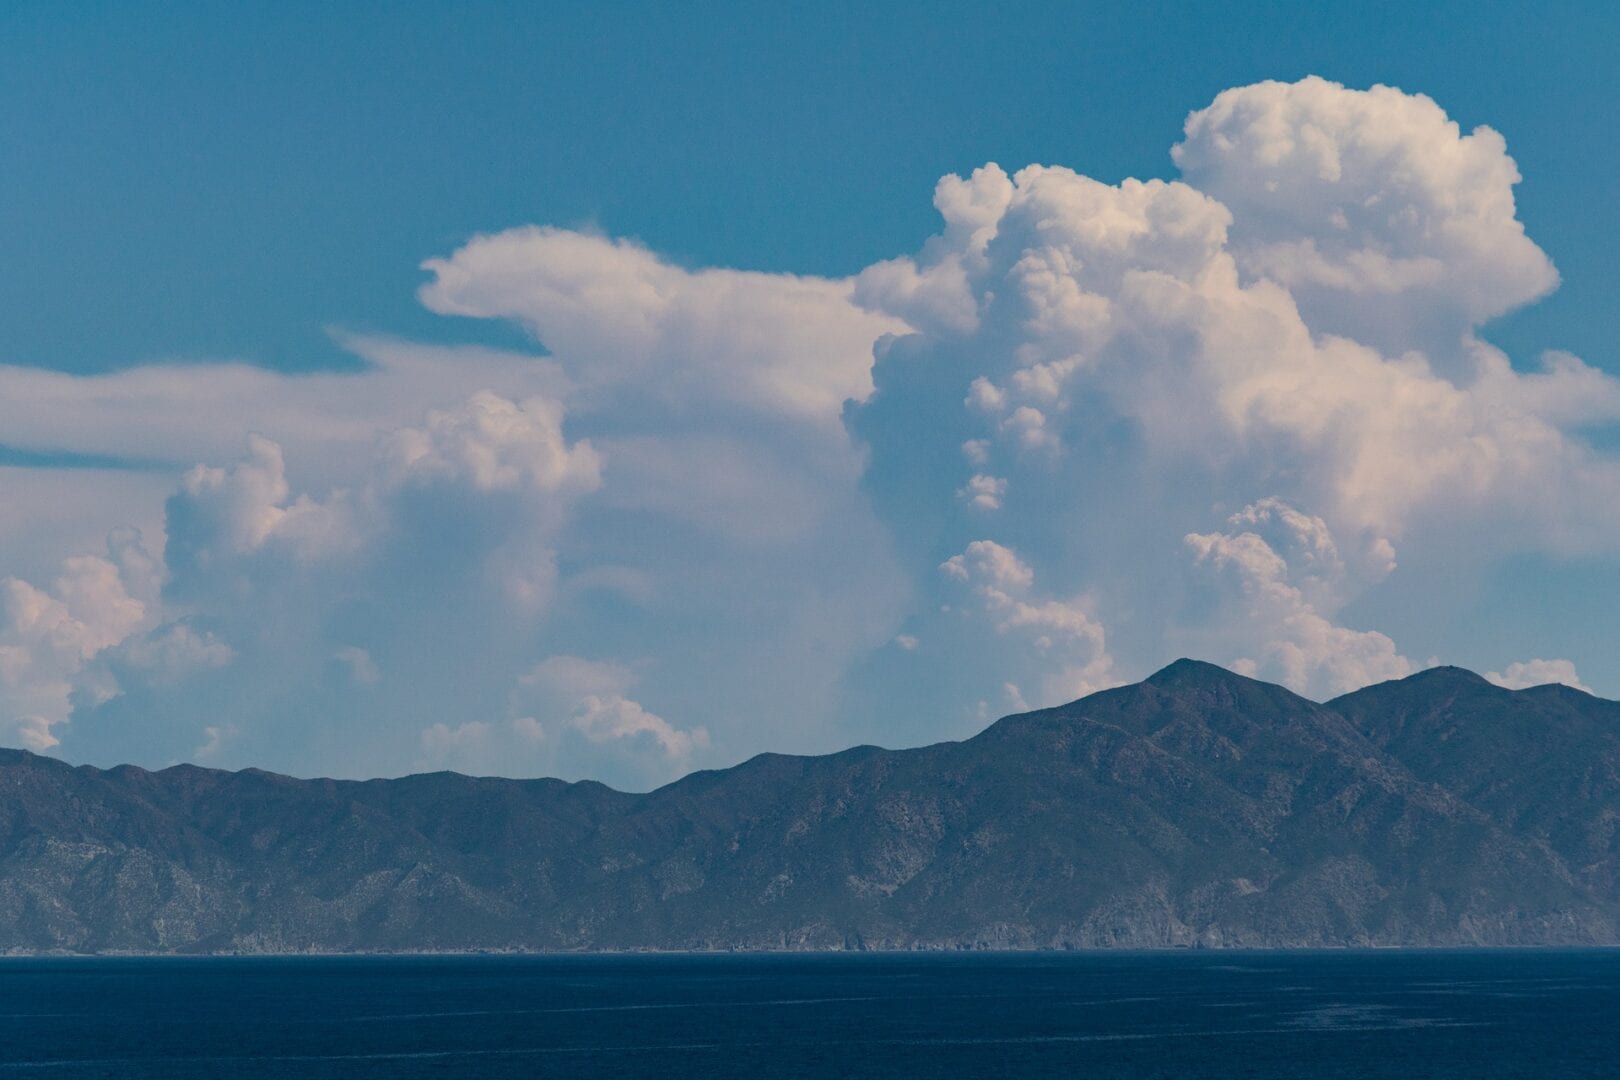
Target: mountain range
{"type": "Point", "coordinates": [1196, 808]}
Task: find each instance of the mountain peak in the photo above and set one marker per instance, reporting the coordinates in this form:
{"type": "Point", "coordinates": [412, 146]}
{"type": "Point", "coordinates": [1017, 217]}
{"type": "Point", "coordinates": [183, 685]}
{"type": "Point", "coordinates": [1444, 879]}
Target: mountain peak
{"type": "Point", "coordinates": [1450, 672]}
{"type": "Point", "coordinates": [1447, 675]}
{"type": "Point", "coordinates": [1444, 679]}
{"type": "Point", "coordinates": [1186, 672]}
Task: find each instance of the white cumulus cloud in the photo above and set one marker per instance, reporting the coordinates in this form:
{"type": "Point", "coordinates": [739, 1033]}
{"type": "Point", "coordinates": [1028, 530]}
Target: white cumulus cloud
{"type": "Point", "coordinates": [1372, 207]}
{"type": "Point", "coordinates": [48, 636]}
{"type": "Point", "coordinates": [1290, 329]}
{"type": "Point", "coordinates": [1283, 603]}
{"type": "Point", "coordinates": [1066, 647]}
{"type": "Point", "coordinates": [1526, 673]}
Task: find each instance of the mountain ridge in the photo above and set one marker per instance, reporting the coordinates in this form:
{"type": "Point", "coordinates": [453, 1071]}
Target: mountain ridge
{"type": "Point", "coordinates": [1197, 807]}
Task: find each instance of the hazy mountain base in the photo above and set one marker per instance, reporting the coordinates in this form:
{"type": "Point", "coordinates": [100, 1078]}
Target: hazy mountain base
{"type": "Point", "coordinates": [1198, 808]}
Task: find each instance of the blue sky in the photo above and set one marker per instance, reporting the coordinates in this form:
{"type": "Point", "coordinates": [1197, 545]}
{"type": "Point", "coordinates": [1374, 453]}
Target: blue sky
{"type": "Point", "coordinates": [229, 182]}
{"type": "Point", "coordinates": [705, 554]}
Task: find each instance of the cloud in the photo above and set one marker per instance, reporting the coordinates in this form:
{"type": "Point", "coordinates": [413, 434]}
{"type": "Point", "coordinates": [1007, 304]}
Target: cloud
{"type": "Point", "coordinates": [1289, 329]}
{"type": "Point", "coordinates": [589, 697]}
{"type": "Point", "coordinates": [221, 513]}
{"type": "Point", "coordinates": [1204, 412]}
{"type": "Point", "coordinates": [934, 292]}
{"type": "Point", "coordinates": [437, 564]}
{"type": "Point", "coordinates": [1284, 602]}
{"type": "Point", "coordinates": [569, 715]}
{"type": "Point", "coordinates": [215, 738]}
{"type": "Point", "coordinates": [491, 444]}
{"type": "Point", "coordinates": [172, 652]}
{"type": "Point", "coordinates": [1526, 673]}
{"type": "Point", "coordinates": [1125, 304]}
{"type": "Point", "coordinates": [983, 492]}
{"type": "Point", "coordinates": [484, 445]}
{"type": "Point", "coordinates": [401, 540]}
{"type": "Point", "coordinates": [1068, 645]}
{"type": "Point", "coordinates": [481, 747]}
{"type": "Point", "coordinates": [177, 415]}
{"type": "Point", "coordinates": [618, 314]}
{"type": "Point", "coordinates": [1372, 208]}
{"type": "Point", "coordinates": [358, 665]}
{"type": "Point", "coordinates": [988, 562]}
{"type": "Point", "coordinates": [48, 637]}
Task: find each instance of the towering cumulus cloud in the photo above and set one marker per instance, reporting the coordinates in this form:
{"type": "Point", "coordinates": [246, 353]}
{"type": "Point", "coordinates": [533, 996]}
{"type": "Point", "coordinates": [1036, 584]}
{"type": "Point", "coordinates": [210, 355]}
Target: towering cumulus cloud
{"type": "Point", "coordinates": [1221, 406]}
{"type": "Point", "coordinates": [1382, 219]}
{"type": "Point", "coordinates": [1245, 414]}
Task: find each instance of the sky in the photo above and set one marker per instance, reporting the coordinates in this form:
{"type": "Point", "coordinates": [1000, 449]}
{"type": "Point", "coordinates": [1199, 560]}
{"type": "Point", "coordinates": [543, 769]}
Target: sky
{"type": "Point", "coordinates": [619, 390]}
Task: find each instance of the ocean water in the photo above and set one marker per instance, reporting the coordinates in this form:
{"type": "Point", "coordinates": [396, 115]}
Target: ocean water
{"type": "Point", "coordinates": [1179, 1014]}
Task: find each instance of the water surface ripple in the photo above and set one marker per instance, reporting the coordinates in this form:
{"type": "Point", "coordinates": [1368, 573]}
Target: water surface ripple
{"type": "Point", "coordinates": [1097, 1015]}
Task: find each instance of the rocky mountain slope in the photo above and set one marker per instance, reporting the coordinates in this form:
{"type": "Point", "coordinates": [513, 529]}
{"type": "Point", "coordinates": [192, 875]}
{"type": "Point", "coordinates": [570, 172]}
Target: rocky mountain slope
{"type": "Point", "coordinates": [1195, 808]}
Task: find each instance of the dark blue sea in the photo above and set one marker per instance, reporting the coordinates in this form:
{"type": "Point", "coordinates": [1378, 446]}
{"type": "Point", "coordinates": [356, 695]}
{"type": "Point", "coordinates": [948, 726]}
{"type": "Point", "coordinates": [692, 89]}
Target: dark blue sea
{"type": "Point", "coordinates": [1183, 1014]}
